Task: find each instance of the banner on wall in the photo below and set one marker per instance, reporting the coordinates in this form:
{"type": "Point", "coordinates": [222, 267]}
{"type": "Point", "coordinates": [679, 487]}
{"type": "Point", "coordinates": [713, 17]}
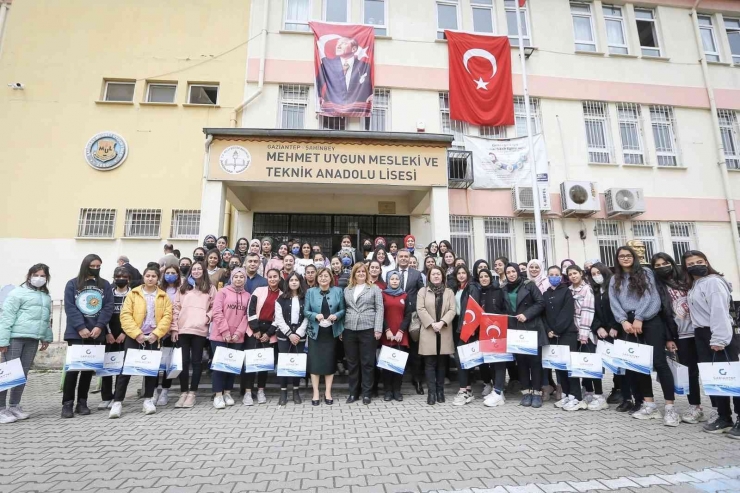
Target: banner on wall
{"type": "Point", "coordinates": [344, 66]}
{"type": "Point", "coordinates": [503, 163]}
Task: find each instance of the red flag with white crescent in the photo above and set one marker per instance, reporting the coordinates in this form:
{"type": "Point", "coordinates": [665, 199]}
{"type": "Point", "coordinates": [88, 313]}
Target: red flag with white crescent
{"type": "Point", "coordinates": [522, 2]}
{"type": "Point", "coordinates": [471, 320]}
{"type": "Point", "coordinates": [493, 330]}
{"type": "Point", "coordinates": [480, 79]}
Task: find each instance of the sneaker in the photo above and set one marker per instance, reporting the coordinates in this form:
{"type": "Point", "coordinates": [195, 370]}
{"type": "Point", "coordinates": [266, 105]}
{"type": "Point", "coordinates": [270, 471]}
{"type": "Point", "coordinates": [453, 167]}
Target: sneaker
{"type": "Point", "coordinates": [248, 401]}
{"type": "Point", "coordinates": [670, 417]}
{"type": "Point", "coordinates": [163, 397]}
{"type": "Point", "coordinates": [261, 398]}
{"type": "Point", "coordinates": [470, 397]}
{"type": "Point", "coordinates": [589, 397]}
{"type": "Point", "coordinates": [735, 431]}
{"type": "Point", "coordinates": [461, 398]}
{"type": "Point", "coordinates": [494, 399]}
{"type": "Point", "coordinates": [228, 400]}
{"type": "Point", "coordinates": [713, 416]}
{"type": "Point", "coordinates": [487, 389]}
{"type": "Point", "coordinates": [7, 417]}
{"type": "Point", "coordinates": [189, 400]}
{"type": "Point", "coordinates": [647, 412]}
{"type": "Point", "coordinates": [218, 402]}
{"type": "Point", "coordinates": [17, 411]}
{"type": "Point", "coordinates": [157, 393]}
{"type": "Point", "coordinates": [547, 392]}
{"type": "Point", "coordinates": [513, 387]}
{"type": "Point", "coordinates": [562, 402]}
{"type": "Point", "coordinates": [115, 410]}
{"type": "Point", "coordinates": [181, 400]}
{"type": "Point", "coordinates": [718, 426]}
{"type": "Point", "coordinates": [598, 404]}
{"type": "Point", "coordinates": [637, 406]}
{"type": "Point", "coordinates": [104, 405]}
{"type": "Point", "coordinates": [615, 397]}
{"type": "Point", "coordinates": [693, 415]}
{"type": "Point", "coordinates": [526, 400]}
{"type": "Point", "coordinates": [575, 405]}
{"type": "Point", "coordinates": [149, 407]}
{"type": "Point", "coordinates": [624, 406]}
{"type": "Point", "coordinates": [536, 401]}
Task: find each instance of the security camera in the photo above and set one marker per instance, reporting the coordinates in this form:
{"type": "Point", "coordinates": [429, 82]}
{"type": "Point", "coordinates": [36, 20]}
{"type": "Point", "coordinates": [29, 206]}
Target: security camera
{"type": "Point", "coordinates": [17, 85]}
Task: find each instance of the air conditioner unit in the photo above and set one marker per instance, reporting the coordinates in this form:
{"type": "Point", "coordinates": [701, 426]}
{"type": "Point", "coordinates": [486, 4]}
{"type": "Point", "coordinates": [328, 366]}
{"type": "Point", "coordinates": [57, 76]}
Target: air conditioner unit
{"type": "Point", "coordinates": [522, 199]}
{"type": "Point", "coordinates": [625, 202]}
{"type": "Point", "coordinates": [579, 198]}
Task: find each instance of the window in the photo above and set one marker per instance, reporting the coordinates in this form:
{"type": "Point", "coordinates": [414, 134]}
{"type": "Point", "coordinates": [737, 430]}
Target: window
{"type": "Point", "coordinates": [728, 127]}
{"type": "Point", "coordinates": [446, 17]}
{"type": "Point", "coordinates": [664, 132]}
{"type": "Point", "coordinates": [732, 27]}
{"type": "Point", "coordinates": [380, 120]}
{"type": "Point", "coordinates": [449, 126]}
{"type": "Point", "coordinates": [499, 238]}
{"type": "Point", "coordinates": [332, 122]}
{"type": "Point", "coordinates": [610, 235]}
{"type": "Point", "coordinates": [513, 30]}
{"type": "Point", "coordinates": [96, 223]}
{"type": "Point", "coordinates": [206, 94]}
{"type": "Point", "coordinates": [583, 26]}
{"type": "Point", "coordinates": [293, 104]}
{"type": "Point", "coordinates": [185, 224]}
{"type": "Point", "coordinates": [142, 223]}
{"type": "Point", "coordinates": [520, 115]}
{"type": "Point", "coordinates": [708, 39]}
{"type": "Point", "coordinates": [598, 132]}
{"type": "Point", "coordinates": [375, 14]}
{"type": "Point", "coordinates": [630, 132]}
{"type": "Point", "coordinates": [461, 237]}
{"type": "Point", "coordinates": [336, 10]}
{"type": "Point", "coordinates": [492, 132]}
{"type": "Point", "coordinates": [647, 31]}
{"type": "Point", "coordinates": [296, 15]}
{"type": "Point", "coordinates": [683, 238]}
{"type": "Point", "coordinates": [615, 33]}
{"type": "Point", "coordinates": [119, 91]}
{"type": "Point", "coordinates": [649, 233]}
{"type": "Point", "coordinates": [530, 241]}
{"type": "Point", "coordinates": [161, 93]}
{"type": "Point", "coordinates": [482, 16]}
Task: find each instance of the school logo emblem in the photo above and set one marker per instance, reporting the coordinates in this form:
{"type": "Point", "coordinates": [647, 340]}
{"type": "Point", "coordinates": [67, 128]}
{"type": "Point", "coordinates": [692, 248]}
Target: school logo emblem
{"type": "Point", "coordinates": [106, 151]}
{"type": "Point", "coordinates": [235, 160]}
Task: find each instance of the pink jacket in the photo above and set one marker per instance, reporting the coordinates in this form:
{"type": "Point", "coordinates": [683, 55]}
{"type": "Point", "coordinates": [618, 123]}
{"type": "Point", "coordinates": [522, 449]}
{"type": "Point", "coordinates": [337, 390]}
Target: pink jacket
{"type": "Point", "coordinates": [259, 296]}
{"type": "Point", "coordinates": [192, 312]}
{"type": "Point", "coordinates": [274, 263]}
{"type": "Point", "coordinates": [230, 314]}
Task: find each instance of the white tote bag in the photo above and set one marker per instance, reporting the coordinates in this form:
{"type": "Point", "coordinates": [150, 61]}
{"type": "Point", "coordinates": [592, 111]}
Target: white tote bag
{"type": "Point", "coordinates": [633, 356]}
{"type": "Point", "coordinates": [228, 360]}
{"type": "Point", "coordinates": [11, 374]}
{"type": "Point", "coordinates": [521, 341]}
{"type": "Point", "coordinates": [722, 379]}
{"type": "Point", "coordinates": [174, 366]}
{"type": "Point", "coordinates": [256, 360]}
{"type": "Point", "coordinates": [680, 377]}
{"type": "Point", "coordinates": [113, 364]}
{"type": "Point", "coordinates": [85, 357]}
{"type": "Point", "coordinates": [164, 361]}
{"type": "Point", "coordinates": [470, 355]}
{"type": "Point", "coordinates": [392, 359]}
{"type": "Point", "coordinates": [556, 357]}
{"type": "Point", "coordinates": [606, 350]}
{"type": "Point", "coordinates": [292, 365]}
{"type": "Point", "coordinates": [586, 365]}
{"type": "Point", "coordinates": [142, 362]}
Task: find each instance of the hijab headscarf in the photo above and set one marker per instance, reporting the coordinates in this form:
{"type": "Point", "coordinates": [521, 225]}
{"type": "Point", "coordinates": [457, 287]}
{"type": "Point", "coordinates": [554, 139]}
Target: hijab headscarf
{"type": "Point", "coordinates": [513, 285]}
{"type": "Point", "coordinates": [394, 292]}
{"type": "Point", "coordinates": [483, 289]}
{"type": "Point", "coordinates": [379, 241]}
{"type": "Point", "coordinates": [476, 264]}
{"type": "Point", "coordinates": [429, 250]}
{"type": "Point", "coordinates": [541, 280]}
{"type": "Point", "coordinates": [205, 240]}
{"type": "Point", "coordinates": [231, 278]}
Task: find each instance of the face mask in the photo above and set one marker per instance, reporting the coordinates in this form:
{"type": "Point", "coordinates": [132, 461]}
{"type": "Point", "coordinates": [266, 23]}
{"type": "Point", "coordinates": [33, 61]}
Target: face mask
{"type": "Point", "coordinates": [367, 248]}
{"type": "Point", "coordinates": [598, 279]}
{"type": "Point", "coordinates": [554, 280]}
{"type": "Point", "coordinates": [121, 282]}
{"type": "Point", "coordinates": [38, 281]}
{"type": "Point", "coordinates": [318, 265]}
{"type": "Point", "coordinates": [664, 271]}
{"type": "Point", "coordinates": [346, 261]}
{"type": "Point", "coordinates": [170, 278]}
{"type": "Point", "coordinates": [295, 250]}
{"type": "Point", "coordinates": [191, 281]}
{"type": "Point", "coordinates": [210, 246]}
{"type": "Point", "coordinates": [185, 270]}
{"type": "Point", "coordinates": [698, 270]}
{"type": "Point", "coordinates": [199, 258]}
{"type": "Point", "coordinates": [233, 266]}
{"type": "Point", "coordinates": [93, 272]}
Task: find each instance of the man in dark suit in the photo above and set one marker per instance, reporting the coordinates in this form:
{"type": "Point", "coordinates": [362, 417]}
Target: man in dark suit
{"type": "Point", "coordinates": [345, 79]}
{"type": "Point", "coordinates": [411, 282]}
{"type": "Point", "coordinates": [136, 278]}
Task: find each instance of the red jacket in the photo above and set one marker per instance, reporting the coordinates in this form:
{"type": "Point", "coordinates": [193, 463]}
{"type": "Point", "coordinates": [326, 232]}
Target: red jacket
{"type": "Point", "coordinates": [396, 316]}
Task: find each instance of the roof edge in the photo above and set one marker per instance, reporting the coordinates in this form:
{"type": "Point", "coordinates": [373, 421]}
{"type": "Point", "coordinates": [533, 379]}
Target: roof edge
{"type": "Point", "coordinates": [330, 134]}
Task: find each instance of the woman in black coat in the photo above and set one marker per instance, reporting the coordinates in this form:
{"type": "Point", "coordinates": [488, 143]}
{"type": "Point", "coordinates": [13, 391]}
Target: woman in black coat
{"type": "Point", "coordinates": [464, 290]}
{"type": "Point", "coordinates": [492, 301]}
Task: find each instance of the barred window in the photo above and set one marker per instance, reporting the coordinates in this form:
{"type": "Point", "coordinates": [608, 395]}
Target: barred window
{"type": "Point", "coordinates": [665, 134]}
{"type": "Point", "coordinates": [456, 128]}
{"type": "Point", "coordinates": [610, 235]}
{"type": "Point", "coordinates": [293, 104]}
{"type": "Point", "coordinates": [598, 132]}
{"type": "Point", "coordinates": [649, 233]}
{"type": "Point", "coordinates": [96, 223]}
{"type": "Point", "coordinates": [380, 121]}
{"type": "Point", "coordinates": [492, 132]}
{"type": "Point", "coordinates": [499, 237]}
{"type": "Point", "coordinates": [548, 238]}
{"type": "Point", "coordinates": [461, 237]}
{"type": "Point", "coordinates": [683, 238]}
{"type": "Point", "coordinates": [728, 127]}
{"type": "Point", "coordinates": [185, 224]}
{"type": "Point", "coordinates": [520, 115]}
{"type": "Point", "coordinates": [142, 223]}
{"type": "Point", "coordinates": [631, 133]}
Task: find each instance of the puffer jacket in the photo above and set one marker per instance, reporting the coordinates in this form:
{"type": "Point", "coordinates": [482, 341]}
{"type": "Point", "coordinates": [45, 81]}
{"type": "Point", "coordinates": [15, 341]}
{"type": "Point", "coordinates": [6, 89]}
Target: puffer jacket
{"type": "Point", "coordinates": [26, 313]}
{"type": "Point", "coordinates": [230, 314]}
{"type": "Point", "coordinates": [133, 313]}
{"type": "Point", "coordinates": [193, 312]}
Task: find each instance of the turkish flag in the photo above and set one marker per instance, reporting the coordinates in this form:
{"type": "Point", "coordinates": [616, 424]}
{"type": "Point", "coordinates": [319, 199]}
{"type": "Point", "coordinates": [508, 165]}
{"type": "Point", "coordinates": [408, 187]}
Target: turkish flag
{"type": "Point", "coordinates": [471, 320]}
{"type": "Point", "coordinates": [480, 79]}
{"type": "Point", "coordinates": [493, 329]}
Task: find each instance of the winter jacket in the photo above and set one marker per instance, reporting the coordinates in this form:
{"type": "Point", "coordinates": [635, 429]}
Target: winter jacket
{"type": "Point", "coordinates": [283, 318]}
{"type": "Point", "coordinates": [709, 306]}
{"type": "Point", "coordinates": [256, 302]}
{"type": "Point", "coordinates": [666, 311]}
{"type": "Point", "coordinates": [314, 300]}
{"type": "Point", "coordinates": [603, 317]}
{"type": "Point", "coordinates": [426, 309]}
{"type": "Point", "coordinates": [559, 310]}
{"type": "Point", "coordinates": [133, 313]}
{"type": "Point", "coordinates": [230, 314]}
{"type": "Point", "coordinates": [193, 312]}
{"type": "Point", "coordinates": [90, 307]}
{"type": "Point", "coordinates": [492, 299]}
{"type": "Point", "coordinates": [26, 313]}
{"type": "Point", "coordinates": [531, 304]}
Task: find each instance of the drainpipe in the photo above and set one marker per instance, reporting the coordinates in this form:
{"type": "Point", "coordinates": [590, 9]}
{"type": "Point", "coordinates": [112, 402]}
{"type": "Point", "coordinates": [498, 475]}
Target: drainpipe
{"type": "Point", "coordinates": [261, 78]}
{"type": "Point", "coordinates": [717, 138]}
{"type": "Point", "coordinates": [3, 18]}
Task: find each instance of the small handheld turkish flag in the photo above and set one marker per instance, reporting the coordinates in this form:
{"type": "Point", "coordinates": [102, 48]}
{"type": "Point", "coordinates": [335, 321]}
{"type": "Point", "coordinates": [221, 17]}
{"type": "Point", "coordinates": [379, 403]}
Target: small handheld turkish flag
{"type": "Point", "coordinates": [473, 314]}
{"type": "Point", "coordinates": [493, 329]}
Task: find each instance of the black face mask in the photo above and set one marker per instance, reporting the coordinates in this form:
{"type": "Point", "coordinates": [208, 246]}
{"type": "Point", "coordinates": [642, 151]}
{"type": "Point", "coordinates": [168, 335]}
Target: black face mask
{"type": "Point", "coordinates": [664, 271]}
{"type": "Point", "coordinates": [121, 282]}
{"type": "Point", "coordinates": [367, 248]}
{"type": "Point", "coordinates": [698, 270]}
{"type": "Point", "coordinates": [210, 246]}
{"type": "Point", "coordinates": [199, 258]}
{"type": "Point", "coordinates": [93, 272]}
{"type": "Point", "coordinates": [185, 270]}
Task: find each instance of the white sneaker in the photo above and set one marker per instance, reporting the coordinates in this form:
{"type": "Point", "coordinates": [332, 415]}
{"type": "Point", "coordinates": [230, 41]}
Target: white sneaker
{"type": "Point", "coordinates": [470, 397]}
{"type": "Point", "coordinates": [693, 415]}
{"type": "Point", "coordinates": [104, 405]}
{"type": "Point", "coordinates": [228, 400]}
{"type": "Point", "coordinates": [598, 404]}
{"type": "Point", "coordinates": [670, 417]}
{"type": "Point", "coordinates": [647, 412]}
{"type": "Point", "coordinates": [494, 399]}
{"type": "Point", "coordinates": [7, 417]}
{"type": "Point", "coordinates": [588, 397]}
{"type": "Point", "coordinates": [163, 398]}
{"type": "Point", "coordinates": [218, 402]}
{"type": "Point", "coordinates": [713, 416]}
{"type": "Point", "coordinates": [248, 401]}
{"type": "Point", "coordinates": [17, 411]}
{"type": "Point", "coordinates": [261, 398]}
{"type": "Point", "coordinates": [149, 407]}
{"type": "Point", "coordinates": [115, 410]}
{"type": "Point", "coordinates": [157, 393]}
{"type": "Point", "coordinates": [461, 398]}
{"type": "Point", "coordinates": [562, 402]}
{"type": "Point", "coordinates": [487, 389]}
{"type": "Point", "coordinates": [575, 405]}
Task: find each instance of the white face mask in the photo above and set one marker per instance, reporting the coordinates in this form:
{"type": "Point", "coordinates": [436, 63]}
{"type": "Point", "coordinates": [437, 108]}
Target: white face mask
{"type": "Point", "coordinates": [598, 279]}
{"type": "Point", "coordinates": [38, 281]}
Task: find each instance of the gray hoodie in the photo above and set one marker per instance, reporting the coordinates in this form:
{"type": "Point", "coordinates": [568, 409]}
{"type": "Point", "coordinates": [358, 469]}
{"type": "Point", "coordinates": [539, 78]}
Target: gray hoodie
{"type": "Point", "coordinates": [709, 305]}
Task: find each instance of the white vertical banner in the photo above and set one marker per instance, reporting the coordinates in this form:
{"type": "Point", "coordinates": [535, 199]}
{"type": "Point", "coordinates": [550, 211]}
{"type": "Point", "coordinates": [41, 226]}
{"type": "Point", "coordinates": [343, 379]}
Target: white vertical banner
{"type": "Point", "coordinates": [503, 163]}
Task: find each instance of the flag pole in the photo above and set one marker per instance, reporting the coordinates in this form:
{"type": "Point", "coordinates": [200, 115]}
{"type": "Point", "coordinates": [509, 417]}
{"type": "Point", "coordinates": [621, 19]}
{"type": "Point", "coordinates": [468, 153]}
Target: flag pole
{"type": "Point", "coordinates": [530, 138]}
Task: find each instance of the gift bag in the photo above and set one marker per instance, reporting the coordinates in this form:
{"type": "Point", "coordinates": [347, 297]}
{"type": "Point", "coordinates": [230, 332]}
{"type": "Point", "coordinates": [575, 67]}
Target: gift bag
{"type": "Point", "coordinates": [142, 362]}
{"type": "Point", "coordinates": [11, 374]}
{"type": "Point", "coordinates": [556, 357]}
{"type": "Point", "coordinates": [164, 362]}
{"type": "Point", "coordinates": [85, 357]}
{"type": "Point", "coordinates": [470, 355]}
{"type": "Point", "coordinates": [174, 366]}
{"type": "Point", "coordinates": [112, 365]}
{"type": "Point", "coordinates": [228, 360]}
{"type": "Point", "coordinates": [494, 351]}
{"type": "Point", "coordinates": [633, 356]}
{"type": "Point", "coordinates": [521, 342]}
{"type": "Point", "coordinates": [680, 377]}
{"type": "Point", "coordinates": [606, 350]}
{"type": "Point", "coordinates": [392, 359]}
{"type": "Point", "coordinates": [722, 379]}
{"type": "Point", "coordinates": [585, 365]}
{"type": "Point", "coordinates": [292, 365]}
{"type": "Point", "coordinates": [256, 360]}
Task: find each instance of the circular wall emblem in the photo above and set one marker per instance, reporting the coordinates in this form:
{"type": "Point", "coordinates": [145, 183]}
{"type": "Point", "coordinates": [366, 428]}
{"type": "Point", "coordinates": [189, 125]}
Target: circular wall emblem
{"type": "Point", "coordinates": [106, 151]}
{"type": "Point", "coordinates": [235, 160]}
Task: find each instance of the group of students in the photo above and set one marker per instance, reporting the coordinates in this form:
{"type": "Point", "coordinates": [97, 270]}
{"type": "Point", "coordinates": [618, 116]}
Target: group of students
{"type": "Point", "coordinates": [342, 308]}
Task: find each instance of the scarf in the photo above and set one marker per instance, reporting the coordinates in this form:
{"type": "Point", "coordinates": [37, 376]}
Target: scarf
{"type": "Point", "coordinates": [394, 292]}
{"type": "Point", "coordinates": [437, 289]}
{"type": "Point", "coordinates": [512, 285]}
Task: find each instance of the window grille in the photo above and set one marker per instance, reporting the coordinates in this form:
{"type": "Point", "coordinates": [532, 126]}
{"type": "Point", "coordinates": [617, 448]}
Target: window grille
{"type": "Point", "coordinates": [631, 133]}
{"type": "Point", "coordinates": [649, 233]}
{"type": "Point", "coordinates": [728, 127]}
{"type": "Point", "coordinates": [293, 104]}
{"type": "Point", "coordinates": [142, 223]}
{"type": "Point", "coordinates": [499, 233]}
{"type": "Point", "coordinates": [453, 127]}
{"type": "Point", "coordinates": [683, 238]}
{"type": "Point", "coordinates": [548, 238]}
{"type": "Point", "coordinates": [461, 237]}
{"type": "Point", "coordinates": [610, 235]}
{"type": "Point", "coordinates": [380, 119]}
{"type": "Point", "coordinates": [96, 223]}
{"type": "Point", "coordinates": [598, 132]}
{"type": "Point", "coordinates": [520, 115]}
{"type": "Point", "coordinates": [665, 134]}
{"type": "Point", "coordinates": [185, 224]}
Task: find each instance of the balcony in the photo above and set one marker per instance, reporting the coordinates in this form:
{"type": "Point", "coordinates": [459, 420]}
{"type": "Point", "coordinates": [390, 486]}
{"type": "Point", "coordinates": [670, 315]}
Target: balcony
{"type": "Point", "coordinates": [459, 168]}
